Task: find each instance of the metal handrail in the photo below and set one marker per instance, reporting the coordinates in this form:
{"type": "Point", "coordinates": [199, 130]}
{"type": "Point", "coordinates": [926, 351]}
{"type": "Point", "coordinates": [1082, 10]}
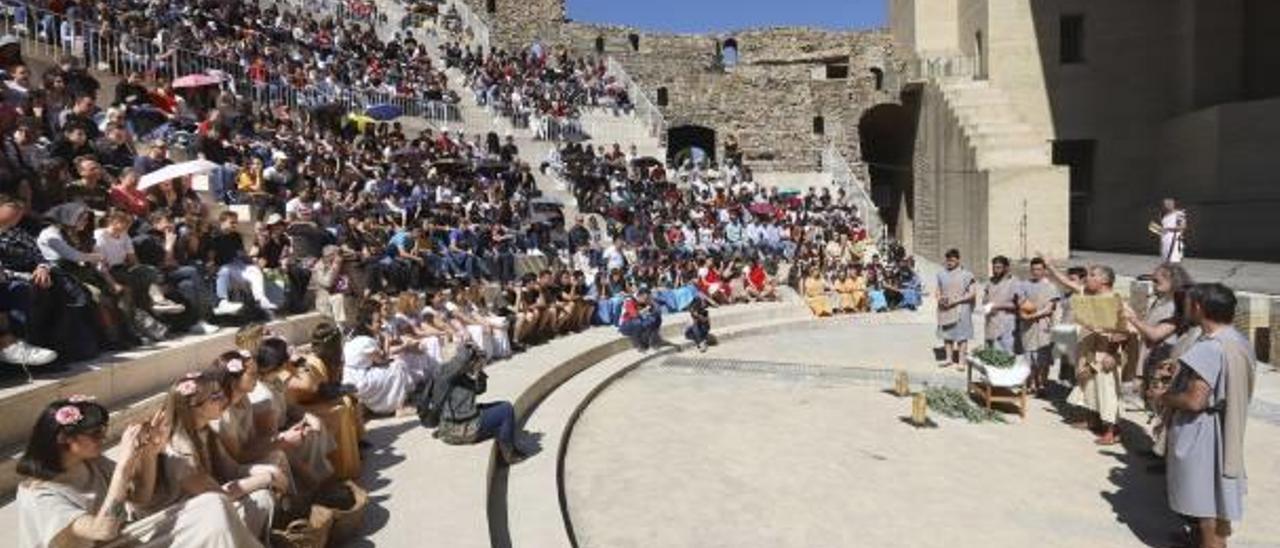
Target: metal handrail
{"type": "Point", "coordinates": [842, 176]}
{"type": "Point", "coordinates": [53, 35]}
{"type": "Point", "coordinates": [645, 109]}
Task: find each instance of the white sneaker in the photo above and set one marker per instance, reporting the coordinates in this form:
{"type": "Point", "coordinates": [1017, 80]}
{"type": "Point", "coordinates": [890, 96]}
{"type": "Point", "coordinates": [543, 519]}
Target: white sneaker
{"type": "Point", "coordinates": [163, 306]}
{"type": "Point", "coordinates": [22, 353]}
{"type": "Point", "coordinates": [204, 328]}
{"type": "Point", "coordinates": [267, 306]}
{"type": "Point", "coordinates": [227, 308]}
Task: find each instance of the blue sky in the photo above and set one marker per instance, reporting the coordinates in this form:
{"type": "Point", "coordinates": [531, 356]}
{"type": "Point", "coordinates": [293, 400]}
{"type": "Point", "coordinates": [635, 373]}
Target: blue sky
{"type": "Point", "coordinates": [723, 15]}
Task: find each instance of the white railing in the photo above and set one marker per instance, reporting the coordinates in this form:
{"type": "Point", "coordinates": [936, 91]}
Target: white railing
{"type": "Point", "coordinates": [918, 69]}
{"type": "Point", "coordinates": [842, 176]}
{"type": "Point", "coordinates": [473, 22]}
{"type": "Point", "coordinates": [645, 109]}
{"type": "Point", "coordinates": [48, 34]}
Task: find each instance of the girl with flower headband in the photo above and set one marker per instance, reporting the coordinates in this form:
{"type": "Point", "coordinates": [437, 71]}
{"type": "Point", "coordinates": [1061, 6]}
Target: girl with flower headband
{"type": "Point", "coordinates": [195, 461]}
{"type": "Point", "coordinates": [256, 450]}
{"type": "Point", "coordinates": [74, 496]}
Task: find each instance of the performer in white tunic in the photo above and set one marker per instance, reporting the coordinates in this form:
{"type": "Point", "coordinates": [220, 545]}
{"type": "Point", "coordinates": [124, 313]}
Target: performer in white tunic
{"type": "Point", "coordinates": [195, 461]}
{"type": "Point", "coordinates": [1173, 224]}
{"type": "Point", "coordinates": [72, 496]}
{"type": "Point", "coordinates": [303, 436]}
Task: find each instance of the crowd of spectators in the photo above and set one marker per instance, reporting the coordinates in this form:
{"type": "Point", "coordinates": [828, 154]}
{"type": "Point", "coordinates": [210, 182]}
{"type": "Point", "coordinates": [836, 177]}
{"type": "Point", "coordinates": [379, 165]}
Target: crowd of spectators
{"type": "Point", "coordinates": [278, 51]}
{"type": "Point", "coordinates": [538, 88]}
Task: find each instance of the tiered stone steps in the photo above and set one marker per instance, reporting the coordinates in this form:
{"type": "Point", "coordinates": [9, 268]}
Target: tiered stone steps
{"type": "Point", "coordinates": [998, 135]}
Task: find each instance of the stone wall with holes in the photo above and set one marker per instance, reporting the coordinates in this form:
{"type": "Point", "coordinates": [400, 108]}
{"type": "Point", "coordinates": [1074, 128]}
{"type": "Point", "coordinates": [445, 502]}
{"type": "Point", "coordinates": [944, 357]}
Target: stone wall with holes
{"type": "Point", "coordinates": [770, 98]}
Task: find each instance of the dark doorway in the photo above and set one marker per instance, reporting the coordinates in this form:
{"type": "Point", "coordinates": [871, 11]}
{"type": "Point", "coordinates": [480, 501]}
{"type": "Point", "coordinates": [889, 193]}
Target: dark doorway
{"type": "Point", "coordinates": [690, 143]}
{"type": "Point", "coordinates": [635, 41]}
{"type": "Point", "coordinates": [491, 6]}
{"type": "Point", "coordinates": [729, 53]}
{"type": "Point", "coordinates": [886, 135]}
{"type": "Point", "coordinates": [599, 44]}
{"type": "Point", "coordinates": [662, 97]}
{"type": "Point", "coordinates": [878, 75]}
{"type": "Point", "coordinates": [819, 125]}
{"type": "Point", "coordinates": [1077, 155]}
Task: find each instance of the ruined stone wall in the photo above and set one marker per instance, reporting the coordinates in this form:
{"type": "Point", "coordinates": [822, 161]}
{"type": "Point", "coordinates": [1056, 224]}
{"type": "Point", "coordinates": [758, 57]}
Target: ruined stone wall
{"type": "Point", "coordinates": [769, 99]}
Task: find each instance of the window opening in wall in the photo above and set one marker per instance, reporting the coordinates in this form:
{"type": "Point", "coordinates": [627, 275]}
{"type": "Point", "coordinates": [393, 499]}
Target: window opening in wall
{"type": "Point", "coordinates": [662, 97]}
{"type": "Point", "coordinates": [599, 44]}
{"type": "Point", "coordinates": [980, 71]}
{"type": "Point", "coordinates": [819, 125]}
{"type": "Point", "coordinates": [837, 71]}
{"type": "Point", "coordinates": [1071, 39]}
{"type": "Point", "coordinates": [879, 77]}
{"type": "Point", "coordinates": [635, 41]}
{"type": "Point", "coordinates": [491, 6]}
{"type": "Point", "coordinates": [729, 53]}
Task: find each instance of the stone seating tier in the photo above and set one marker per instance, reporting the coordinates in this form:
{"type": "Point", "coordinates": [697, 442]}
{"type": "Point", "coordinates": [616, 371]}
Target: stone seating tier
{"type": "Point", "coordinates": [448, 488]}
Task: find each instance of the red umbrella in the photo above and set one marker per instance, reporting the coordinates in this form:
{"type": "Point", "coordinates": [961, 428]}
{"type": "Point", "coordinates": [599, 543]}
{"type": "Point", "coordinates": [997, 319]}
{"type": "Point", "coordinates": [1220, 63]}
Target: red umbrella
{"type": "Point", "coordinates": [762, 208]}
{"type": "Point", "coordinates": [196, 80]}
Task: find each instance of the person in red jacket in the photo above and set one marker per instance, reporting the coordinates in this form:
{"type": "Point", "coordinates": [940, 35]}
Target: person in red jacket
{"type": "Point", "coordinates": [641, 320]}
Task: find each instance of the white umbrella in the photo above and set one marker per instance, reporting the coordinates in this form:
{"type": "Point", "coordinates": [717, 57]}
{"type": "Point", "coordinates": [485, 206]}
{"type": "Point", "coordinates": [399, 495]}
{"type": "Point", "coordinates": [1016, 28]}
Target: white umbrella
{"type": "Point", "coordinates": [174, 171]}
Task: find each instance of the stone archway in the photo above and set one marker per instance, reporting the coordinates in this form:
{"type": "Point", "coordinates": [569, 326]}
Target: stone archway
{"type": "Point", "coordinates": [886, 135]}
{"type": "Point", "coordinates": [690, 142]}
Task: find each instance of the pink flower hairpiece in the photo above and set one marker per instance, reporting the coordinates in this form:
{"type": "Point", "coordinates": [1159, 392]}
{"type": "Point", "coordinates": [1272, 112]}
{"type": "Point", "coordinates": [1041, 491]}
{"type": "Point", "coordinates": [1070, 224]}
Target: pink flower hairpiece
{"type": "Point", "coordinates": [68, 415]}
{"type": "Point", "coordinates": [81, 398]}
{"type": "Point", "coordinates": [188, 387]}
{"type": "Point", "coordinates": [235, 366]}
{"type": "Point", "coordinates": [245, 354]}
{"type": "Point", "coordinates": [192, 375]}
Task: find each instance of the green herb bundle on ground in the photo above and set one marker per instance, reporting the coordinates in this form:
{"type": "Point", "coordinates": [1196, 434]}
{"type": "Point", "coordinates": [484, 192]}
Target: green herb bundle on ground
{"type": "Point", "coordinates": [950, 402]}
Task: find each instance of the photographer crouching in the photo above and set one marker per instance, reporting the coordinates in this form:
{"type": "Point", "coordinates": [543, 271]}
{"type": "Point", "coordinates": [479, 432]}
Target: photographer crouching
{"type": "Point", "coordinates": [449, 405]}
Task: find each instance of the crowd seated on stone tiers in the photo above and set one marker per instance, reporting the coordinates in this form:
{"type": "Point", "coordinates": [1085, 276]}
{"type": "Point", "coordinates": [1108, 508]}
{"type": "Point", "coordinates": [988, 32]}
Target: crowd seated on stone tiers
{"type": "Point", "coordinates": [537, 87]}
{"type": "Point", "coordinates": [281, 51]}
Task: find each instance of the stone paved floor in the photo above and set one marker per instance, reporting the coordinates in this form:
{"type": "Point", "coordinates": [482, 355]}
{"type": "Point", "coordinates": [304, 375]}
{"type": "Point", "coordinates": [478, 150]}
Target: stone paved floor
{"type": "Point", "coordinates": [674, 455]}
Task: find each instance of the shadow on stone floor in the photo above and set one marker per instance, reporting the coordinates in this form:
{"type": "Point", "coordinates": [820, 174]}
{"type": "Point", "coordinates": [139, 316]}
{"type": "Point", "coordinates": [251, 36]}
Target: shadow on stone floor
{"type": "Point", "coordinates": [378, 457]}
{"type": "Point", "coordinates": [1140, 501]}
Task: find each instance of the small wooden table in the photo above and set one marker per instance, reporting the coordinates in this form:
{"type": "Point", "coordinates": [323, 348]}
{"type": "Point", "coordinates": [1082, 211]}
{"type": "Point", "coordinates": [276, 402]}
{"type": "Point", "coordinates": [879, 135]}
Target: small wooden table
{"type": "Point", "coordinates": [999, 385]}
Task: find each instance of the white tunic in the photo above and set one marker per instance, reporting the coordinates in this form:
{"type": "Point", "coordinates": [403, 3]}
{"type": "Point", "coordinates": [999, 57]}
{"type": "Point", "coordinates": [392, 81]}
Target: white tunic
{"type": "Point", "coordinates": [46, 510]}
{"type": "Point", "coordinates": [1170, 237]}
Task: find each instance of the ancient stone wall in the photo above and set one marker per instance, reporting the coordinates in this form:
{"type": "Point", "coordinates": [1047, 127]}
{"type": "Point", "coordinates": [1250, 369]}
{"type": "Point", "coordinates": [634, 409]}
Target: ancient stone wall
{"type": "Point", "coordinates": [769, 99]}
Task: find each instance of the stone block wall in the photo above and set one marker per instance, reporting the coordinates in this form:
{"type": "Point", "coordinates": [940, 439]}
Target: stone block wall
{"type": "Point", "coordinates": [769, 99]}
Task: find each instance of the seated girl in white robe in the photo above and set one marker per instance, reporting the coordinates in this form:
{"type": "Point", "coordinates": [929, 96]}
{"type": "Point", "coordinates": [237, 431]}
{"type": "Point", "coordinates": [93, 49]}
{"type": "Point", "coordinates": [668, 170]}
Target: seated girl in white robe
{"type": "Point", "coordinates": [303, 436]}
{"type": "Point", "coordinates": [195, 461]}
{"type": "Point", "coordinates": [254, 450]}
{"type": "Point", "coordinates": [71, 495]}
{"type": "Point", "coordinates": [383, 384]}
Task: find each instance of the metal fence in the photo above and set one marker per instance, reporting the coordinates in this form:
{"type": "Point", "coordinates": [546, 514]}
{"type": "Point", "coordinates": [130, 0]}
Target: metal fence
{"type": "Point", "coordinates": [644, 108]}
{"type": "Point", "coordinates": [842, 176]}
{"type": "Point", "coordinates": [52, 35]}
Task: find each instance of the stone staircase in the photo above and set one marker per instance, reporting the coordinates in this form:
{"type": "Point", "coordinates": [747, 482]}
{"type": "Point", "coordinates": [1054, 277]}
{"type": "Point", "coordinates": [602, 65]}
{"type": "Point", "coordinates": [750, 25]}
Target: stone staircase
{"type": "Point", "coordinates": [997, 134]}
{"type": "Point", "coordinates": [604, 127]}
